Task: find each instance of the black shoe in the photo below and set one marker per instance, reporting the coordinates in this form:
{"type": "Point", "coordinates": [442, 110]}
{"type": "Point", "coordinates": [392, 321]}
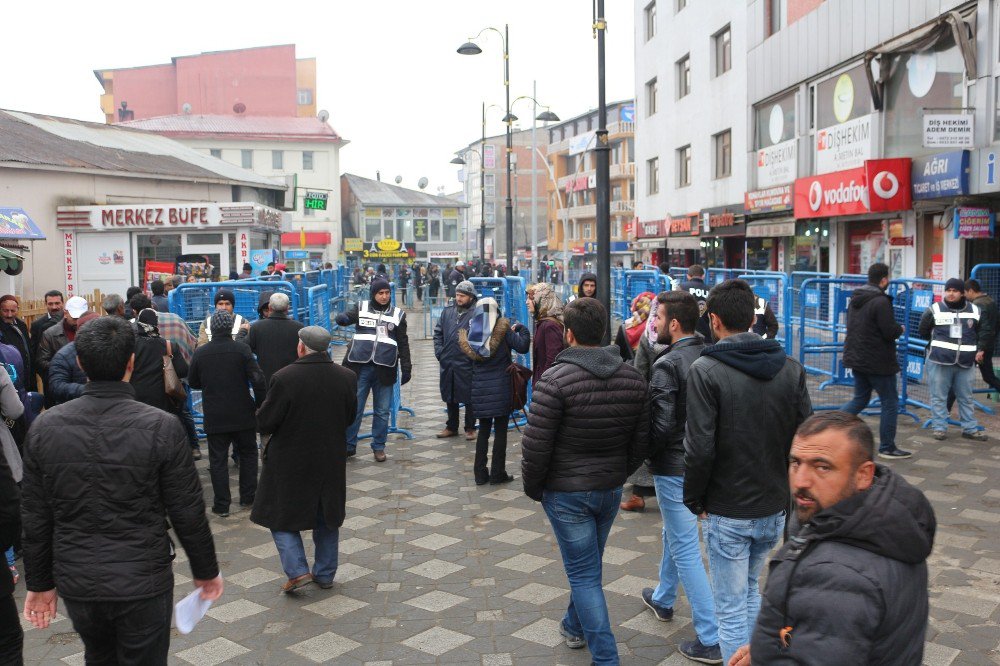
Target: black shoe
{"type": "Point", "coordinates": [351, 453]}
{"type": "Point", "coordinates": [662, 613]}
{"type": "Point", "coordinates": [501, 478]}
{"type": "Point", "coordinates": [221, 513]}
{"type": "Point", "coordinates": [196, 454]}
{"type": "Point", "coordinates": [894, 454]}
{"type": "Point", "coordinates": [695, 651]}
{"type": "Point", "coordinates": [323, 584]}
{"type": "Point", "coordinates": [247, 505]}
{"type": "Point", "coordinates": [482, 480]}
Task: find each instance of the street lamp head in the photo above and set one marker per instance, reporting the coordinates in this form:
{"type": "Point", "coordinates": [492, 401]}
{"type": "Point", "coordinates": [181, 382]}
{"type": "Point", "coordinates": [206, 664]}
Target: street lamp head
{"type": "Point", "coordinates": [458, 160]}
{"type": "Point", "coordinates": [469, 48]}
{"type": "Point", "coordinates": [547, 117]}
{"type": "Point", "coordinates": [510, 118]}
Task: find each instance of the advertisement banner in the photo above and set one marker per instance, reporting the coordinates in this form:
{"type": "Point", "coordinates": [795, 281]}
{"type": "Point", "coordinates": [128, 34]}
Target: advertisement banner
{"type": "Point", "coordinates": [580, 143]}
{"type": "Point", "coordinates": [974, 222]}
{"type": "Point", "coordinates": [878, 186]}
{"type": "Point", "coordinates": [949, 130]}
{"type": "Point", "coordinates": [353, 245]}
{"type": "Point", "coordinates": [888, 184]}
{"type": "Point", "coordinates": [941, 175]}
{"type": "Point", "coordinates": [771, 200]}
{"type": "Point", "coordinates": [777, 164]}
{"type": "Point", "coordinates": [844, 146]}
{"type": "Point", "coordinates": [651, 228]}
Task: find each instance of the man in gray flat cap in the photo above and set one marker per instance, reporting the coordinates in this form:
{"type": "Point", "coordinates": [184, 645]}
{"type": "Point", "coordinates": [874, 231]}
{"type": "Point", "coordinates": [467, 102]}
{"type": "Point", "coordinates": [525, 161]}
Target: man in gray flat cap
{"type": "Point", "coordinates": [310, 403]}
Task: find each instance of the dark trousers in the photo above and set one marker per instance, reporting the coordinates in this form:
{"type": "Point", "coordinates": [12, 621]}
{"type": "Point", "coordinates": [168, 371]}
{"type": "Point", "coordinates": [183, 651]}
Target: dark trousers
{"type": "Point", "coordinates": [885, 386]}
{"type": "Point", "coordinates": [499, 459]}
{"type": "Point", "coordinates": [11, 636]}
{"type": "Point", "coordinates": [187, 420]}
{"type": "Point", "coordinates": [245, 445]}
{"type": "Point", "coordinates": [986, 371]}
{"type": "Point", "coordinates": [470, 420]}
{"type": "Point", "coordinates": [123, 632]}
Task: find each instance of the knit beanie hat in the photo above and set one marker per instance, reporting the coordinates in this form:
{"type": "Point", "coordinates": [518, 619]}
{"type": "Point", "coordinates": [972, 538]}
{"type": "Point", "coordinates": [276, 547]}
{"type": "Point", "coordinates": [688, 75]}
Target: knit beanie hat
{"type": "Point", "coordinates": [466, 287]}
{"type": "Point", "coordinates": [378, 284]}
{"type": "Point", "coordinates": [225, 295]}
{"type": "Point", "coordinates": [223, 321]}
{"type": "Point", "coordinates": [955, 283]}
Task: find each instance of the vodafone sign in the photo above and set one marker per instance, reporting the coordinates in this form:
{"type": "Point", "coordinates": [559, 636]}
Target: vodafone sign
{"type": "Point", "coordinates": [878, 186]}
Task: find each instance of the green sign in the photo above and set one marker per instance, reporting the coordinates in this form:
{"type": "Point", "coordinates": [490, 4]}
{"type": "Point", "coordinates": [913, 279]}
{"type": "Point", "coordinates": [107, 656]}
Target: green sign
{"type": "Point", "coordinates": [315, 201]}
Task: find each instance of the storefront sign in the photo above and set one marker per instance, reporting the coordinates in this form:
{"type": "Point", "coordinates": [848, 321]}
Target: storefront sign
{"type": "Point", "coordinates": [878, 186]}
{"type": "Point", "coordinates": [888, 184]}
{"type": "Point", "coordinates": [296, 254]}
{"type": "Point", "coordinates": [974, 223]}
{"type": "Point", "coordinates": [652, 229]}
{"type": "Point", "coordinates": [353, 245]}
{"type": "Point", "coordinates": [686, 224]}
{"type": "Point", "coordinates": [844, 146]}
{"type": "Point", "coordinates": [259, 259]}
{"type": "Point", "coordinates": [590, 247]}
{"type": "Point", "coordinates": [771, 200]}
{"type": "Point", "coordinates": [244, 250]}
{"type": "Point", "coordinates": [170, 216]}
{"type": "Point", "coordinates": [771, 229]}
{"type": "Point", "coordinates": [442, 254]}
{"type": "Point", "coordinates": [777, 164]}
{"type": "Point", "coordinates": [718, 220]}
{"type": "Point", "coordinates": [941, 175]}
{"type": "Point", "coordinates": [387, 248]}
{"type": "Point", "coordinates": [420, 230]}
{"type": "Point", "coordinates": [15, 223]}
{"type": "Point", "coordinates": [315, 201]}
{"type": "Point", "coordinates": [69, 252]}
{"type": "Point", "coordinates": [950, 130]}
{"type": "Point", "coordinates": [901, 241]}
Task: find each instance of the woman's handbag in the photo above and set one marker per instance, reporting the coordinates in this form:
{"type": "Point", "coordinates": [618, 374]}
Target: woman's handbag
{"type": "Point", "coordinates": [171, 382]}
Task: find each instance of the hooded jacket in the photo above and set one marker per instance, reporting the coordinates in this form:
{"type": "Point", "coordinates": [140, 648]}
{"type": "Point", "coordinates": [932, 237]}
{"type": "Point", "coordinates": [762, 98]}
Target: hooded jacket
{"type": "Point", "coordinates": [852, 583]}
{"type": "Point", "coordinates": [870, 344]}
{"type": "Point", "coordinates": [745, 400]}
{"type": "Point", "coordinates": [588, 425]}
{"type": "Point", "coordinates": [490, 387]}
{"type": "Point", "coordinates": [592, 277]}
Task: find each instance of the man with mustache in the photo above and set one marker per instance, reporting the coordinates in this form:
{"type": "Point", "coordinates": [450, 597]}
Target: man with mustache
{"type": "Point", "coordinates": [850, 585]}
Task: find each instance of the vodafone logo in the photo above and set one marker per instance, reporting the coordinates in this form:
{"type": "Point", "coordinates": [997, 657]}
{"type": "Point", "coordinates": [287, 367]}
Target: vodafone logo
{"type": "Point", "coordinates": [881, 185]}
{"type": "Point", "coordinates": [885, 185]}
{"type": "Point", "coordinates": [815, 195]}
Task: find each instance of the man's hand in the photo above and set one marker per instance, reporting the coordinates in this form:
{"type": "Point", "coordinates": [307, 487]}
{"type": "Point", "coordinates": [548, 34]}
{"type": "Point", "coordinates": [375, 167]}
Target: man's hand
{"type": "Point", "coordinates": [40, 608]}
{"type": "Point", "coordinates": [245, 326]}
{"type": "Point", "coordinates": [703, 515]}
{"type": "Point", "coordinates": [980, 355]}
{"type": "Point", "coordinates": [210, 589]}
{"type": "Point", "coordinates": [741, 657]}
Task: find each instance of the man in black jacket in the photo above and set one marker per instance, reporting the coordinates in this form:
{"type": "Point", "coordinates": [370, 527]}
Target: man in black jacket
{"type": "Point", "coordinates": [677, 317]}
{"type": "Point", "coordinates": [850, 585]}
{"type": "Point", "coordinates": [870, 352]}
{"type": "Point", "coordinates": [745, 399]}
{"type": "Point", "coordinates": [588, 430]}
{"type": "Point", "coordinates": [11, 635]}
{"type": "Point", "coordinates": [102, 475]}
{"type": "Point", "coordinates": [223, 369]}
{"type": "Point", "coordinates": [695, 285]}
{"type": "Point", "coordinates": [987, 334]}
{"type": "Point", "coordinates": [456, 276]}
{"type": "Point", "coordinates": [275, 339]}
{"type": "Point", "coordinates": [456, 367]}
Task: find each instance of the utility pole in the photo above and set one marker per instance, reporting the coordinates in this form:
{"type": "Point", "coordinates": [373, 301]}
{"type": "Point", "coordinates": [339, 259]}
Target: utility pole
{"type": "Point", "coordinates": [602, 153]}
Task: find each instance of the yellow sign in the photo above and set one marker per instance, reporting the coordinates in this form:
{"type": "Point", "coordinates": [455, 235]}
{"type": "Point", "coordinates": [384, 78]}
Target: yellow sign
{"type": "Point", "coordinates": [353, 245]}
{"type": "Point", "coordinates": [387, 248]}
{"type": "Point", "coordinates": [388, 245]}
{"type": "Point", "coordinates": [450, 212]}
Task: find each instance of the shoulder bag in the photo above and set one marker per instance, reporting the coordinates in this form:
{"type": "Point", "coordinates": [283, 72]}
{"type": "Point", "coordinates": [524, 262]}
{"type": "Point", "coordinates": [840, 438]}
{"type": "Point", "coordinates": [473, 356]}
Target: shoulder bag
{"type": "Point", "coordinates": [171, 382]}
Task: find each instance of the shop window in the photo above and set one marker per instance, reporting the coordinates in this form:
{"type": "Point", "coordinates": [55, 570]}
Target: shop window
{"type": "Point", "coordinates": [387, 228]}
{"type": "Point", "coordinates": [587, 231]}
{"type": "Point", "coordinates": [653, 175]}
{"type": "Point", "coordinates": [277, 160]}
{"type": "Point", "coordinates": [650, 18]}
{"type": "Point", "coordinates": [404, 230]}
{"type": "Point", "coordinates": [373, 228]}
{"type": "Point", "coordinates": [723, 143]}
{"type": "Point", "coordinates": [651, 97]}
{"type": "Point", "coordinates": [156, 247]}
{"type": "Point", "coordinates": [246, 159]}
{"type": "Point", "coordinates": [774, 122]}
{"type": "Point", "coordinates": [777, 16]}
{"type": "Point", "coordinates": [844, 97]}
{"type": "Point", "coordinates": [491, 184]}
{"type": "Point", "coordinates": [204, 239]}
{"type": "Point", "coordinates": [450, 230]}
{"type": "Point", "coordinates": [215, 152]}
{"type": "Point", "coordinates": [683, 76]}
{"type": "Point", "coordinates": [684, 166]}
{"type": "Point", "coordinates": [307, 160]}
{"type": "Point", "coordinates": [723, 41]}
{"type": "Point", "coordinates": [436, 230]}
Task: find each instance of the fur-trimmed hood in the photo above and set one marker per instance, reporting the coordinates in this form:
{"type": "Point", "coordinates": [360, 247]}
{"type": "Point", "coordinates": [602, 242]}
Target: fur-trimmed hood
{"type": "Point", "coordinates": [499, 332]}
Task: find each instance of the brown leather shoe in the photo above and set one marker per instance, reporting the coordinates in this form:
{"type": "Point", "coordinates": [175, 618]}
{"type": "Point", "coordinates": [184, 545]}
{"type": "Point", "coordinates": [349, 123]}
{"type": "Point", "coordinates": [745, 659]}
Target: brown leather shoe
{"type": "Point", "coordinates": [634, 503]}
{"type": "Point", "coordinates": [380, 456]}
{"type": "Point", "coordinates": [295, 583]}
{"type": "Point", "coordinates": [445, 434]}
{"type": "Point", "coordinates": [470, 435]}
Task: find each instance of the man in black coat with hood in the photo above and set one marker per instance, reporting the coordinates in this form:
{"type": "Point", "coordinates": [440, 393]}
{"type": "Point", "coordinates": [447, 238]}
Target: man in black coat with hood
{"type": "Point", "coordinates": [870, 353]}
{"type": "Point", "coordinates": [850, 585]}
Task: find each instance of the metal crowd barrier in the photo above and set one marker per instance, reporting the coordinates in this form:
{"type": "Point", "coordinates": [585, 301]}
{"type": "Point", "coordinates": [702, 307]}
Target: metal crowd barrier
{"type": "Point", "coordinates": [194, 301]}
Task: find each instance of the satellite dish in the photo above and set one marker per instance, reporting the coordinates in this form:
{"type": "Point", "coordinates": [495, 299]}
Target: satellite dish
{"type": "Point", "coordinates": [186, 107]}
{"type": "Point", "coordinates": [422, 183]}
{"type": "Point", "coordinates": [324, 116]}
{"type": "Point", "coordinates": [239, 107]}
{"type": "Point", "coordinates": [399, 179]}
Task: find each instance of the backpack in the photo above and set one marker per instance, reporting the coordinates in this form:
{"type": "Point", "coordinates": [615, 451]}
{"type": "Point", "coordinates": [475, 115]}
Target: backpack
{"type": "Point", "coordinates": [519, 378]}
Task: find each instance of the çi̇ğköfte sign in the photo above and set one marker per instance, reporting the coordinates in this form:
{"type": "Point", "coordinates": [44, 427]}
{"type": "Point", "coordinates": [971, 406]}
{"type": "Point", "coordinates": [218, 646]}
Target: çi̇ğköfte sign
{"type": "Point", "coordinates": [974, 223]}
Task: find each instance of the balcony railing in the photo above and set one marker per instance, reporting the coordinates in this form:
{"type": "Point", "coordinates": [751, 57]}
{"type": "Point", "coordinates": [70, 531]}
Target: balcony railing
{"type": "Point", "coordinates": [558, 146]}
{"type": "Point", "coordinates": [623, 206]}
{"type": "Point", "coordinates": [621, 128]}
{"type": "Point", "coordinates": [623, 170]}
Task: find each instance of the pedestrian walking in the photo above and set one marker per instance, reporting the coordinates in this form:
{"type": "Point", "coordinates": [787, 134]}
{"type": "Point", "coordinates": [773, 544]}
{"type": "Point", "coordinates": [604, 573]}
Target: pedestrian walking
{"type": "Point", "coordinates": [66, 378]}
{"type": "Point", "coordinates": [11, 409]}
{"type": "Point", "coordinates": [695, 285]}
{"type": "Point", "coordinates": [113, 305]}
{"type": "Point", "coordinates": [765, 324]}
{"type": "Point", "coordinates": [457, 275]}
{"type": "Point", "coordinates": [850, 585]}
{"type": "Point", "coordinates": [745, 399]}
{"type": "Point", "coordinates": [224, 369]}
{"type": "Point", "coordinates": [455, 367]}
{"type": "Point", "coordinates": [102, 476]}
{"type": "Point", "coordinates": [633, 328]}
{"type": "Point", "coordinates": [404, 282]}
{"type": "Point", "coordinates": [870, 352]}
{"type": "Point", "coordinates": [488, 341]}
{"type": "Point", "coordinates": [56, 337]}
{"type": "Point", "coordinates": [310, 404]}
{"type": "Point", "coordinates": [378, 355]}
{"type": "Point", "coordinates": [53, 315]}
{"type": "Point", "coordinates": [649, 346]}
{"type": "Point", "coordinates": [419, 277]}
{"type": "Point", "coordinates": [14, 332]}
{"type": "Point", "coordinates": [680, 564]}
{"type": "Point", "coordinates": [275, 338]}
{"type": "Point", "coordinates": [952, 326]}
{"type": "Point", "coordinates": [587, 288]}
{"type": "Point", "coordinates": [547, 309]}
{"type": "Point", "coordinates": [588, 429]}
{"type": "Point", "coordinates": [988, 317]}
{"type": "Point", "coordinates": [11, 634]}
{"type": "Point", "coordinates": [225, 301]}
{"type": "Point", "coordinates": [434, 287]}
{"type": "Point", "coordinates": [151, 350]}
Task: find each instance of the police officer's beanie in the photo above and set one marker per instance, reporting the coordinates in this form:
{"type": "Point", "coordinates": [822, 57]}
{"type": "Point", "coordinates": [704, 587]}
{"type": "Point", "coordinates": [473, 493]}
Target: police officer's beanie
{"type": "Point", "coordinates": [378, 284]}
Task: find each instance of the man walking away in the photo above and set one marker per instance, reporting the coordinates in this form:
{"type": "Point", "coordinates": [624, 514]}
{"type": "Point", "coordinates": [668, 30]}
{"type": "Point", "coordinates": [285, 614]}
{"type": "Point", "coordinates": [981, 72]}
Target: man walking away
{"type": "Point", "coordinates": [224, 369]}
{"type": "Point", "coordinates": [275, 339]}
{"type": "Point", "coordinates": [456, 367]}
{"type": "Point", "coordinates": [952, 326]}
{"type": "Point", "coordinates": [677, 317]}
{"type": "Point", "coordinates": [745, 399]}
{"type": "Point", "coordinates": [850, 585]}
{"type": "Point", "coordinates": [102, 475]}
{"type": "Point", "coordinates": [870, 352]}
{"type": "Point", "coordinates": [113, 306]}
{"type": "Point", "coordinates": [695, 285]}
{"type": "Point", "coordinates": [588, 430]}
{"type": "Point", "coordinates": [310, 403]}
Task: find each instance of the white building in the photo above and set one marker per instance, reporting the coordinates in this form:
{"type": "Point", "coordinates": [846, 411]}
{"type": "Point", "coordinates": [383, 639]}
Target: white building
{"type": "Point", "coordinates": [690, 130]}
{"type": "Point", "coordinates": [306, 151]}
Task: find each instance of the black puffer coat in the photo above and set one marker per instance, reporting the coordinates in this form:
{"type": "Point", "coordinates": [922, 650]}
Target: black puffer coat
{"type": "Point", "coordinates": [588, 425]}
{"type": "Point", "coordinates": [852, 583]}
{"type": "Point", "coordinates": [490, 393]}
{"type": "Point", "coordinates": [102, 474]}
{"type": "Point", "coordinates": [456, 367]}
{"type": "Point", "coordinates": [870, 344]}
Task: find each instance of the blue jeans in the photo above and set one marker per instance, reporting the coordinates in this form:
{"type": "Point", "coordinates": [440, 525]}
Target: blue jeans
{"type": "Point", "coordinates": [736, 552]}
{"type": "Point", "coordinates": [681, 560]}
{"type": "Point", "coordinates": [885, 386]}
{"type": "Point", "coordinates": [381, 404]}
{"type": "Point", "coordinates": [581, 522]}
{"type": "Point", "coordinates": [293, 554]}
{"type": "Point", "coordinates": [951, 378]}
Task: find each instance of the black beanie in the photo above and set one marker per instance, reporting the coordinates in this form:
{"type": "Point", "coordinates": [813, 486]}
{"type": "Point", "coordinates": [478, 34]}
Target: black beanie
{"type": "Point", "coordinates": [378, 284]}
{"type": "Point", "coordinates": [224, 295]}
{"type": "Point", "coordinates": [955, 283]}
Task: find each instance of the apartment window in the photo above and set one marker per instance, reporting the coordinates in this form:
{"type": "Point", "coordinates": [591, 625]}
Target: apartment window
{"type": "Point", "coordinates": [681, 4]}
{"type": "Point", "coordinates": [246, 159]}
{"type": "Point", "coordinates": [587, 231]}
{"type": "Point", "coordinates": [723, 51]}
{"type": "Point", "coordinates": [491, 184]}
{"type": "Point", "coordinates": [653, 175]}
{"type": "Point", "coordinates": [305, 96]}
{"type": "Point", "coordinates": [309, 212]}
{"type": "Point", "coordinates": [684, 77]}
{"type": "Point", "coordinates": [684, 166]}
{"type": "Point", "coordinates": [723, 142]}
{"type": "Point", "coordinates": [215, 152]}
{"type": "Point", "coordinates": [777, 16]}
{"type": "Point", "coordinates": [651, 97]}
{"type": "Point", "coordinates": [277, 159]}
{"type": "Point", "coordinates": [307, 160]}
{"type": "Point", "coordinates": [650, 14]}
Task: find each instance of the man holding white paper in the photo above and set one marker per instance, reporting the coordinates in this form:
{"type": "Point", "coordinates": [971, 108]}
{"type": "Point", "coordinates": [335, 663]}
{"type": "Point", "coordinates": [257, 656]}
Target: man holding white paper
{"type": "Point", "coordinates": [104, 472]}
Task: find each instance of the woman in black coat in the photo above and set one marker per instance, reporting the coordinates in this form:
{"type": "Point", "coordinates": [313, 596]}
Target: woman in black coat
{"type": "Point", "coordinates": [488, 342]}
{"type": "Point", "coordinates": [147, 373]}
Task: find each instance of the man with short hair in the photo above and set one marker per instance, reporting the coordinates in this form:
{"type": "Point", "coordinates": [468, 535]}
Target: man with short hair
{"type": "Point", "coordinates": [160, 301]}
{"type": "Point", "coordinates": [745, 399]}
{"type": "Point", "coordinates": [57, 337]}
{"type": "Point", "coordinates": [14, 332]}
{"type": "Point", "coordinates": [102, 476]}
{"type": "Point", "coordinates": [456, 368]}
{"type": "Point", "coordinates": [677, 317]}
{"type": "Point", "coordinates": [850, 585]}
{"type": "Point", "coordinates": [309, 405]}
{"type": "Point", "coordinates": [225, 300]}
{"type": "Point", "coordinates": [988, 317]}
{"type": "Point", "coordinates": [275, 339]}
{"type": "Point", "coordinates": [457, 275]}
{"type": "Point", "coordinates": [588, 430]}
{"type": "Point", "coordinates": [114, 306]}
{"type": "Point", "coordinates": [53, 315]}
{"type": "Point", "coordinates": [695, 285]}
{"type": "Point", "coordinates": [870, 352]}
{"type": "Point", "coordinates": [129, 293]}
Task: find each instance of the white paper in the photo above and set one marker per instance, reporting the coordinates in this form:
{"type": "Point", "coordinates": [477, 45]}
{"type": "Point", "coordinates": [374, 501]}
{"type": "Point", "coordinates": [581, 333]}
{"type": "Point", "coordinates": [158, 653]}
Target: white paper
{"type": "Point", "coordinates": [189, 611]}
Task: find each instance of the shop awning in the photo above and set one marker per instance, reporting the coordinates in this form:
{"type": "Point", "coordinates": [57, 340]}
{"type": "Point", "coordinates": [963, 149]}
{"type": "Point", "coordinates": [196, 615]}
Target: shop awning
{"type": "Point", "coordinates": [649, 242]}
{"type": "Point", "coordinates": [10, 261]}
{"type": "Point", "coordinates": [15, 223]}
{"type": "Point", "coordinates": [313, 238]}
{"type": "Point", "coordinates": [776, 226]}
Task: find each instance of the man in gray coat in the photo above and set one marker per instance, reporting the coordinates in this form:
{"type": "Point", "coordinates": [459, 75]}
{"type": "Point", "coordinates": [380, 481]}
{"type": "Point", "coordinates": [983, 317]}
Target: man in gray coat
{"type": "Point", "coordinates": [456, 367]}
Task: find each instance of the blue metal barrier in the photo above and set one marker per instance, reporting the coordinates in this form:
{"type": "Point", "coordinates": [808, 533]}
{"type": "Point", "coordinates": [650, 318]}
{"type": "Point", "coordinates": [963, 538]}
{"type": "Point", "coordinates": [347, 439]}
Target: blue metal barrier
{"type": "Point", "coordinates": [773, 287]}
{"type": "Point", "coordinates": [318, 307]}
{"type": "Point", "coordinates": [194, 301]}
{"type": "Point", "coordinates": [636, 282]}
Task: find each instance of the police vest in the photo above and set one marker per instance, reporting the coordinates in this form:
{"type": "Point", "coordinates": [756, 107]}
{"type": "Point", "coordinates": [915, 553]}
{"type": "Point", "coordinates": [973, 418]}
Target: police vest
{"type": "Point", "coordinates": [955, 334]}
{"type": "Point", "coordinates": [759, 324]}
{"type": "Point", "coordinates": [375, 336]}
{"type": "Point", "coordinates": [208, 326]}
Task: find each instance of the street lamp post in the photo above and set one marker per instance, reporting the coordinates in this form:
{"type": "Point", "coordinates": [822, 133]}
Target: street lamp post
{"type": "Point", "coordinates": [602, 153]}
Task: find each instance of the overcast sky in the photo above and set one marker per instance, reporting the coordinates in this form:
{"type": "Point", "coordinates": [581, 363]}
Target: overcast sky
{"type": "Point", "coordinates": [387, 71]}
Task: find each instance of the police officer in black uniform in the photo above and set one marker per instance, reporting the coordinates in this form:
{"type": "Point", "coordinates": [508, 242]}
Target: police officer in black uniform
{"type": "Point", "coordinates": [695, 285]}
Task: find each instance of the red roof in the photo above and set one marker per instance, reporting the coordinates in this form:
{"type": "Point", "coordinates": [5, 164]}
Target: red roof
{"type": "Point", "coordinates": [238, 127]}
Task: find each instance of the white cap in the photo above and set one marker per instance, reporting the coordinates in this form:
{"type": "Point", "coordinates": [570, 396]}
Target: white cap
{"type": "Point", "coordinates": [76, 306]}
{"type": "Point", "coordinates": [459, 263]}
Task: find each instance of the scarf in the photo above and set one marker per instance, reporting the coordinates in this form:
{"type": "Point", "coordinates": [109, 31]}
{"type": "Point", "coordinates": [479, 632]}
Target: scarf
{"type": "Point", "coordinates": [636, 324]}
{"type": "Point", "coordinates": [651, 335]}
{"type": "Point", "coordinates": [547, 302]}
{"type": "Point", "coordinates": [481, 325]}
{"type": "Point", "coordinates": [145, 323]}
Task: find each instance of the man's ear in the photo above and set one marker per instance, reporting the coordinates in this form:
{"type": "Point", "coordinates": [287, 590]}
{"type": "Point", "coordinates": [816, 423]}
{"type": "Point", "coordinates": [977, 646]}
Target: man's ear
{"type": "Point", "coordinates": [865, 475]}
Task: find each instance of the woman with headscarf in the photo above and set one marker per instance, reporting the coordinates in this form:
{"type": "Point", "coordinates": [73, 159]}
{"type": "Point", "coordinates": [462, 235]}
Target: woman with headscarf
{"type": "Point", "coordinates": [633, 328]}
{"type": "Point", "coordinates": [147, 372]}
{"type": "Point", "coordinates": [547, 308]}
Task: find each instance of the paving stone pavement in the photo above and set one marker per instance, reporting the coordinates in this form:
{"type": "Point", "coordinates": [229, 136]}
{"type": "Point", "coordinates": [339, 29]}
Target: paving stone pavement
{"type": "Point", "coordinates": [435, 570]}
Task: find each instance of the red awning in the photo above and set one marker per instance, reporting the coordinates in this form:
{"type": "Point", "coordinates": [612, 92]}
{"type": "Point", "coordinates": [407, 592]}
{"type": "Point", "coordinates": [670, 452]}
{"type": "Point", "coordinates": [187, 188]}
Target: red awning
{"type": "Point", "coordinates": [312, 238]}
